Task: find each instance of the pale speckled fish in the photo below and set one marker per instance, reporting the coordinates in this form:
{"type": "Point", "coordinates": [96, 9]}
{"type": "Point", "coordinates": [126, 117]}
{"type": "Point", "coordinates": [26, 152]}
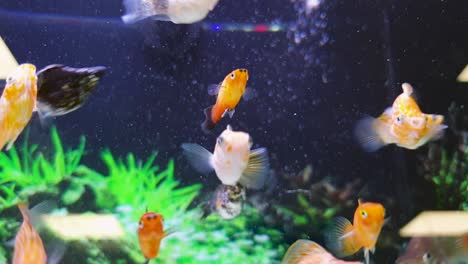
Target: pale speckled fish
{"type": "Point", "coordinates": [232, 160]}
{"type": "Point", "coordinates": [308, 252]}
{"type": "Point", "coordinates": [17, 103]}
{"type": "Point", "coordinates": [227, 201]}
{"type": "Point", "coordinates": [63, 89]}
{"type": "Point", "coordinates": [403, 124]}
{"type": "Point", "coordinates": [176, 11]}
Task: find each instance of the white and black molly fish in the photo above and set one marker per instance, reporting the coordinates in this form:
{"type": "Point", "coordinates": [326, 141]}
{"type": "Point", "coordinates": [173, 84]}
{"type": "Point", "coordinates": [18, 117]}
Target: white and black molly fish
{"type": "Point", "coordinates": [63, 89]}
{"type": "Point", "coordinates": [232, 160]}
{"type": "Point", "coordinates": [176, 11]}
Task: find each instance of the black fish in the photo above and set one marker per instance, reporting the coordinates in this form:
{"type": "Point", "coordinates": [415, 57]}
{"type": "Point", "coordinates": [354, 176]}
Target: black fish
{"type": "Point", "coordinates": [63, 89]}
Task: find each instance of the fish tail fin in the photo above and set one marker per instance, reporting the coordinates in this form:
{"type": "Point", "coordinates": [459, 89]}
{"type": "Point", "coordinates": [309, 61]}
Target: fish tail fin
{"type": "Point", "coordinates": [199, 157]}
{"type": "Point", "coordinates": [255, 175]}
{"type": "Point", "coordinates": [368, 134]}
{"type": "Point", "coordinates": [55, 252]}
{"type": "Point", "coordinates": [136, 10]}
{"type": "Point", "coordinates": [208, 124]}
{"type": "Point", "coordinates": [340, 238]}
{"type": "Point", "coordinates": [300, 249]}
{"type": "Point", "coordinates": [146, 261]}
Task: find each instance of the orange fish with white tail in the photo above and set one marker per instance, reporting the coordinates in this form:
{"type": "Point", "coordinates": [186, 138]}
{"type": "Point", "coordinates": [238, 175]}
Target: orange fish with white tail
{"type": "Point", "coordinates": [345, 239]}
{"type": "Point", "coordinates": [308, 252]}
{"type": "Point", "coordinates": [229, 92]}
{"type": "Point", "coordinates": [17, 103]}
{"type": "Point", "coordinates": [150, 234]}
{"type": "Point", "coordinates": [403, 124]}
{"type": "Point", "coordinates": [233, 160]}
{"type": "Point", "coordinates": [28, 244]}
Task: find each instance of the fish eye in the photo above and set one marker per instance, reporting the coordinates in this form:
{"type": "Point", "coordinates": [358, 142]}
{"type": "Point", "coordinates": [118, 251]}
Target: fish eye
{"type": "Point", "coordinates": [364, 214]}
{"type": "Point", "coordinates": [220, 140]}
{"type": "Point", "coordinates": [233, 75]}
{"type": "Point", "coordinates": [140, 224]}
{"type": "Point", "coordinates": [10, 79]}
{"type": "Point", "coordinates": [426, 257]}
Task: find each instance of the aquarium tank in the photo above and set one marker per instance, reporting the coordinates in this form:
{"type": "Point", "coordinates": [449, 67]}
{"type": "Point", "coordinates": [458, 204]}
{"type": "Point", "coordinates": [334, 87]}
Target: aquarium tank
{"type": "Point", "coordinates": [217, 131]}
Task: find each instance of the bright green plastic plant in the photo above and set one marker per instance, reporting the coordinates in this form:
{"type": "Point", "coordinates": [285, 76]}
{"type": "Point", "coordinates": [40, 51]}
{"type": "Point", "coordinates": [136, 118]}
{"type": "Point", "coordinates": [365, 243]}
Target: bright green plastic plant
{"type": "Point", "coordinates": [30, 171]}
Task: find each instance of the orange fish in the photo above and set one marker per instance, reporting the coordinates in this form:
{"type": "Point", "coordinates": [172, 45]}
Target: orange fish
{"type": "Point", "coordinates": [17, 103]}
{"type": "Point", "coordinates": [345, 239]}
{"type": "Point", "coordinates": [308, 252]}
{"type": "Point", "coordinates": [402, 124]}
{"type": "Point", "coordinates": [150, 234]}
{"type": "Point", "coordinates": [28, 244]}
{"type": "Point", "coordinates": [229, 94]}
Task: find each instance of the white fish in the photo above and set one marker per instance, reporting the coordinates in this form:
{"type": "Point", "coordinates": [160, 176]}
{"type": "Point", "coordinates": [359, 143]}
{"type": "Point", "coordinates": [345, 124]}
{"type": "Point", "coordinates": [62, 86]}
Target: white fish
{"type": "Point", "coordinates": [232, 160]}
{"type": "Point", "coordinates": [176, 11]}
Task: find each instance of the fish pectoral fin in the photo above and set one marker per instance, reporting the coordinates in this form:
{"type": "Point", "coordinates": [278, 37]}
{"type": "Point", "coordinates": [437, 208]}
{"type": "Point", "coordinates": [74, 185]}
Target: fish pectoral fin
{"type": "Point", "coordinates": [254, 176]}
{"type": "Point", "coordinates": [231, 112]}
{"type": "Point", "coordinates": [199, 157]}
{"type": "Point", "coordinates": [300, 249]}
{"type": "Point", "coordinates": [340, 238]}
{"type": "Point", "coordinates": [169, 231]}
{"type": "Point", "coordinates": [11, 142]}
{"type": "Point", "coordinates": [249, 93]}
{"type": "Point", "coordinates": [213, 89]}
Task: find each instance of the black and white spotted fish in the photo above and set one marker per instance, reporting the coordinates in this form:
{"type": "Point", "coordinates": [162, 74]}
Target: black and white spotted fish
{"type": "Point", "coordinates": [63, 89]}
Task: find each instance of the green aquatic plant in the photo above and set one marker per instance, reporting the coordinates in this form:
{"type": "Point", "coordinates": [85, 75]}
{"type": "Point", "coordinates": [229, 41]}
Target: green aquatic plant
{"type": "Point", "coordinates": [450, 180]}
{"type": "Point", "coordinates": [138, 185]}
{"type": "Point", "coordinates": [27, 171]}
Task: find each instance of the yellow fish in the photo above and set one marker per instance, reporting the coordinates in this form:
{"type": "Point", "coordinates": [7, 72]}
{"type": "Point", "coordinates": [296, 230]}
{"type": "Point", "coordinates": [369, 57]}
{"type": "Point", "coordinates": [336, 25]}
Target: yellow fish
{"type": "Point", "coordinates": [345, 239]}
{"type": "Point", "coordinates": [403, 124]}
{"type": "Point", "coordinates": [229, 92]}
{"type": "Point", "coordinates": [17, 103]}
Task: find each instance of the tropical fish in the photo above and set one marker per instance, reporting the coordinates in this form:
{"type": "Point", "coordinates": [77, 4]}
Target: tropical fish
{"type": "Point", "coordinates": [150, 234]}
{"type": "Point", "coordinates": [345, 239]}
{"type": "Point", "coordinates": [17, 103]}
{"type": "Point", "coordinates": [402, 124]}
{"type": "Point", "coordinates": [176, 11]}
{"type": "Point", "coordinates": [28, 244]}
{"type": "Point", "coordinates": [63, 89]}
{"type": "Point", "coordinates": [308, 252]}
{"type": "Point", "coordinates": [233, 160]}
{"type": "Point", "coordinates": [435, 250]}
{"type": "Point", "coordinates": [227, 201]}
{"type": "Point", "coordinates": [229, 92]}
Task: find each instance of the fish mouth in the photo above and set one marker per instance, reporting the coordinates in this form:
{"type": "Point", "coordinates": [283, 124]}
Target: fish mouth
{"type": "Point", "coordinates": [28, 68]}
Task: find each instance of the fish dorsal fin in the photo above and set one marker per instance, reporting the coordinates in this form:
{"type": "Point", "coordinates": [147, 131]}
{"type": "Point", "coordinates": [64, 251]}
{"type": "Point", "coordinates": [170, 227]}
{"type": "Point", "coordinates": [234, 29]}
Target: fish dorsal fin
{"type": "Point", "coordinates": [407, 89]}
{"type": "Point", "coordinates": [300, 249]}
{"type": "Point", "coordinates": [213, 89]}
{"type": "Point", "coordinates": [199, 157]}
{"type": "Point", "coordinates": [340, 238]}
{"type": "Point", "coordinates": [254, 176]}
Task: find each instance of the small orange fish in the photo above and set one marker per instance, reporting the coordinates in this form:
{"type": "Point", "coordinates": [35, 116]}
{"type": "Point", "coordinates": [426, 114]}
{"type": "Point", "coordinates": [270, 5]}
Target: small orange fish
{"type": "Point", "coordinates": [402, 124]}
{"type": "Point", "coordinates": [345, 239]}
{"type": "Point", "coordinates": [308, 252]}
{"type": "Point", "coordinates": [17, 103]}
{"type": "Point", "coordinates": [28, 244]}
{"type": "Point", "coordinates": [150, 234]}
{"type": "Point", "coordinates": [229, 94]}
